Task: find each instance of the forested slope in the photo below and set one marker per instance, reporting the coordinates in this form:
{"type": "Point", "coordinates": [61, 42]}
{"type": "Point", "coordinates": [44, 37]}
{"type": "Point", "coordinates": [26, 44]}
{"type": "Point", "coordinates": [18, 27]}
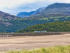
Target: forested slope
{"type": "Point", "coordinates": [62, 26]}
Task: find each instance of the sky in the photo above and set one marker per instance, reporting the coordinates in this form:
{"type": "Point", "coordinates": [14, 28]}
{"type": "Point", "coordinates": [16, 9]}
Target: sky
{"type": "Point", "coordinates": [15, 6]}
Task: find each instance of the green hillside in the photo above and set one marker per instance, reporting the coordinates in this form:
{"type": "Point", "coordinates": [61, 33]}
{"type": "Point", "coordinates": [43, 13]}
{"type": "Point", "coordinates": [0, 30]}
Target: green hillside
{"type": "Point", "coordinates": [61, 26]}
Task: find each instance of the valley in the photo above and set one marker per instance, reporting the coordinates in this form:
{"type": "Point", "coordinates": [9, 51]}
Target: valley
{"type": "Point", "coordinates": [30, 27]}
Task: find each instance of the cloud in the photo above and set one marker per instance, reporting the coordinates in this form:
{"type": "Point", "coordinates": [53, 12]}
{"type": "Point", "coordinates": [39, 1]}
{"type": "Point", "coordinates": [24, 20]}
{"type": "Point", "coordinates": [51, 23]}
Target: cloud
{"type": "Point", "coordinates": [11, 5]}
{"type": "Point", "coordinates": [60, 1]}
{"type": "Point", "coordinates": [15, 6]}
{"type": "Point", "coordinates": [63, 1]}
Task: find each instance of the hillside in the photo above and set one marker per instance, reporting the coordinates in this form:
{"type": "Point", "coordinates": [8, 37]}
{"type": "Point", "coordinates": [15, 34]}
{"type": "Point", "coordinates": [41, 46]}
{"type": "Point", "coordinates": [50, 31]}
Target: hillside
{"type": "Point", "coordinates": [49, 27]}
{"type": "Point", "coordinates": [11, 23]}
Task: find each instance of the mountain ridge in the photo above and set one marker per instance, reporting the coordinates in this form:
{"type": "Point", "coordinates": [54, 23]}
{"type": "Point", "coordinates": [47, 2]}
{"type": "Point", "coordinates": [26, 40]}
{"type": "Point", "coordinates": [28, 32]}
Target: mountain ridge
{"type": "Point", "coordinates": [53, 9]}
{"type": "Point", "coordinates": [27, 14]}
{"type": "Point", "coordinates": [12, 23]}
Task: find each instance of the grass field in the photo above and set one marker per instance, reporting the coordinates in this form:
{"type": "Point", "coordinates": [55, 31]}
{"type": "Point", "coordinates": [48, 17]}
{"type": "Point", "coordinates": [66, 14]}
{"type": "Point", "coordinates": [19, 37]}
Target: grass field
{"type": "Point", "coordinates": [57, 49]}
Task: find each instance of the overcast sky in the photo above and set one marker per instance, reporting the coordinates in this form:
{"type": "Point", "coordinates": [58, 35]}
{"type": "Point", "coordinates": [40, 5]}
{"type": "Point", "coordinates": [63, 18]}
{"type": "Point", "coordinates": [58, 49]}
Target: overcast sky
{"type": "Point", "coordinates": [15, 6]}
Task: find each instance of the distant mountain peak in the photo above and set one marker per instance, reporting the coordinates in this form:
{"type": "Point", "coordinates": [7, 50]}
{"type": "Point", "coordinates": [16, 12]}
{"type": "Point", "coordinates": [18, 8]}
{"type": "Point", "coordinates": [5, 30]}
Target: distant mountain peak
{"type": "Point", "coordinates": [27, 14]}
{"type": "Point", "coordinates": [58, 5]}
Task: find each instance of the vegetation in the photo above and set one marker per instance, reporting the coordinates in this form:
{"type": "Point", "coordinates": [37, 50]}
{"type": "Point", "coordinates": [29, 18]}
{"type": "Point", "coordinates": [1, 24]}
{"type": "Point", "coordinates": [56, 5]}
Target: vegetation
{"type": "Point", "coordinates": [22, 23]}
{"type": "Point", "coordinates": [57, 49]}
{"type": "Point", "coordinates": [10, 23]}
{"type": "Point", "coordinates": [62, 26]}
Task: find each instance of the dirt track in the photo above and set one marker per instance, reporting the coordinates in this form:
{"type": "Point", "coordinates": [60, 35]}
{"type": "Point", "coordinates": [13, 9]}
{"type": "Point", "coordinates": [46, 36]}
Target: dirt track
{"type": "Point", "coordinates": [29, 42]}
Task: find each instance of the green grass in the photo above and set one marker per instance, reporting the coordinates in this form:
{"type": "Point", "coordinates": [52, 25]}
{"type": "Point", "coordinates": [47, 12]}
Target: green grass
{"type": "Point", "coordinates": [56, 49]}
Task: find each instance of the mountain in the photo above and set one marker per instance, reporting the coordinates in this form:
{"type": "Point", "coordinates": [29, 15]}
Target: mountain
{"type": "Point", "coordinates": [57, 9]}
{"type": "Point", "coordinates": [4, 15]}
{"type": "Point", "coordinates": [11, 23]}
{"type": "Point", "coordinates": [57, 16]}
{"type": "Point", "coordinates": [6, 21]}
{"type": "Point", "coordinates": [58, 12]}
{"type": "Point", "coordinates": [27, 14]}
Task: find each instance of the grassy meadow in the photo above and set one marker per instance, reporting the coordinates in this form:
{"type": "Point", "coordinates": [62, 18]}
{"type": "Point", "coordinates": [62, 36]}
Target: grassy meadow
{"type": "Point", "coordinates": [56, 49]}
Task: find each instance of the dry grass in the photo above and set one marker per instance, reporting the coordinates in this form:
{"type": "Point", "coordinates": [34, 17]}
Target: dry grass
{"type": "Point", "coordinates": [57, 49]}
{"type": "Point", "coordinates": [30, 42]}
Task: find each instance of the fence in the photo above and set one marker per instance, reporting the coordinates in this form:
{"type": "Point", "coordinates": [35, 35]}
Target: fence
{"type": "Point", "coordinates": [31, 34]}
